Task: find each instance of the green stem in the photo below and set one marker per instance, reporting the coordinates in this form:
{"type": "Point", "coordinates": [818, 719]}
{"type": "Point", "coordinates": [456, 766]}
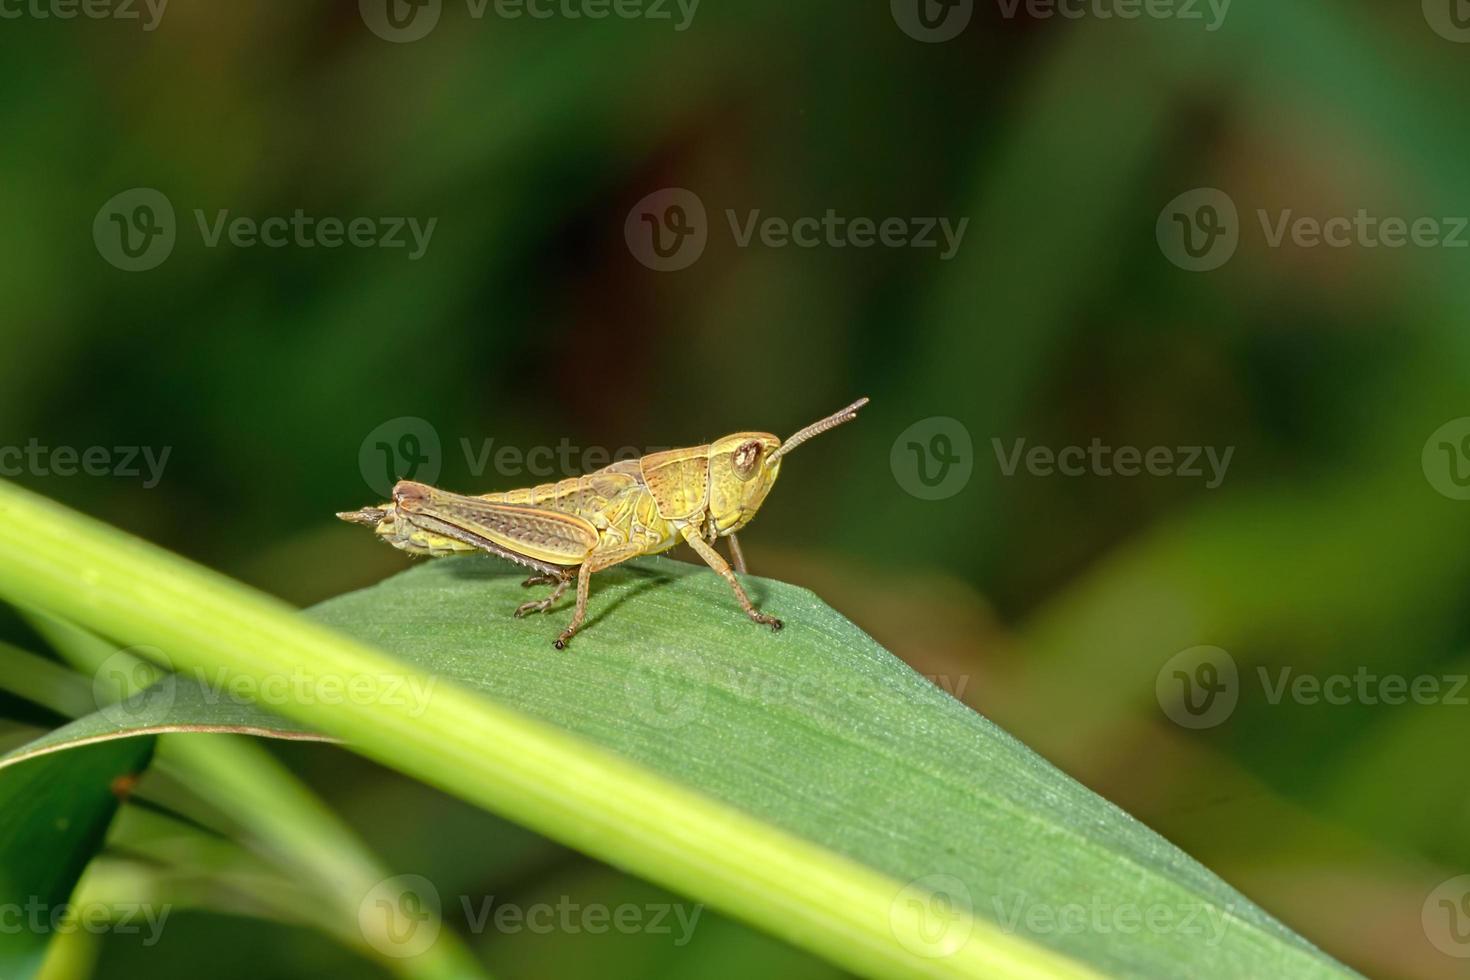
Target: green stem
{"type": "Point", "coordinates": [285, 819]}
{"type": "Point", "coordinates": [566, 788]}
{"type": "Point", "coordinates": [45, 682]}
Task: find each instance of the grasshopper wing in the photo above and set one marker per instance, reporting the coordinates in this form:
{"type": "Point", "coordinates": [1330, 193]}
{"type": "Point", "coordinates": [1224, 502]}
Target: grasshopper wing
{"type": "Point", "coordinates": [543, 539]}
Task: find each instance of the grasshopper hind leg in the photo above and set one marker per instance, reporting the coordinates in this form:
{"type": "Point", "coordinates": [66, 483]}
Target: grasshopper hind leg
{"type": "Point", "coordinates": [541, 605]}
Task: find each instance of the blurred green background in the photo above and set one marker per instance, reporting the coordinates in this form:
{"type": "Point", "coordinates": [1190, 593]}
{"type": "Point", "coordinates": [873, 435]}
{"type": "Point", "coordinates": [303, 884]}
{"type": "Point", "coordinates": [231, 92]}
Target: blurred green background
{"type": "Point", "coordinates": [1334, 543]}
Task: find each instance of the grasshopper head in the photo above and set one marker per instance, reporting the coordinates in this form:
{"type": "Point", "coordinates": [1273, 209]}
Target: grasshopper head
{"type": "Point", "coordinates": [383, 519]}
{"type": "Point", "coordinates": [389, 523]}
{"type": "Point", "coordinates": [743, 467]}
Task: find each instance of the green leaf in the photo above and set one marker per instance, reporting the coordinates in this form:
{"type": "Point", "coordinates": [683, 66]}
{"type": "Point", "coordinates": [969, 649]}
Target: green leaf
{"type": "Point", "coordinates": [54, 815]}
{"type": "Point", "coordinates": [172, 705]}
{"type": "Point", "coordinates": [806, 781]}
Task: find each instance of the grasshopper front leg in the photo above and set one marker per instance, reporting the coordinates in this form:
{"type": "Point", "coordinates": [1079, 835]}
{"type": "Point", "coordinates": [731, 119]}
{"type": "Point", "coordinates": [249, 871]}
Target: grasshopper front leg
{"type": "Point", "coordinates": [736, 554]}
{"type": "Point", "coordinates": [713, 559]}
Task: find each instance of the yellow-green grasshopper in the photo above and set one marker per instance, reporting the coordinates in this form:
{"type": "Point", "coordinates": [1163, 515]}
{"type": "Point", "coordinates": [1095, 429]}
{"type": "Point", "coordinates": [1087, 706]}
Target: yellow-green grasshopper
{"type": "Point", "coordinates": [587, 523]}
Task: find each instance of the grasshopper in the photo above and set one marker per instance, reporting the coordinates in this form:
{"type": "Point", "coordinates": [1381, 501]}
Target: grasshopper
{"type": "Point", "coordinates": [582, 525]}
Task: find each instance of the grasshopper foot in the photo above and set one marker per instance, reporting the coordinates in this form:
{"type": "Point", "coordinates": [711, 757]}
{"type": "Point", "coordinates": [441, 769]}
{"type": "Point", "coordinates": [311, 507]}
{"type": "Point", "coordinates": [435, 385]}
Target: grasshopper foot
{"type": "Point", "coordinates": [541, 605]}
{"type": "Point", "coordinates": [765, 620]}
{"type": "Point", "coordinates": [538, 605]}
{"type": "Point", "coordinates": [566, 637]}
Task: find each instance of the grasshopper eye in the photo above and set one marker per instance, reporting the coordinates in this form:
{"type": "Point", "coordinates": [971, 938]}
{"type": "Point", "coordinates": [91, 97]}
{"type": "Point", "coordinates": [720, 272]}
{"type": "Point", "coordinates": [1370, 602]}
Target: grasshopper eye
{"type": "Point", "coordinates": [746, 459]}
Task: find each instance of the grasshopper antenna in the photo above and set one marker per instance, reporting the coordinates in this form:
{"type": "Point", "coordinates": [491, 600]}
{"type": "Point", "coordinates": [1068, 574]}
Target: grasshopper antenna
{"type": "Point", "coordinates": [817, 428]}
